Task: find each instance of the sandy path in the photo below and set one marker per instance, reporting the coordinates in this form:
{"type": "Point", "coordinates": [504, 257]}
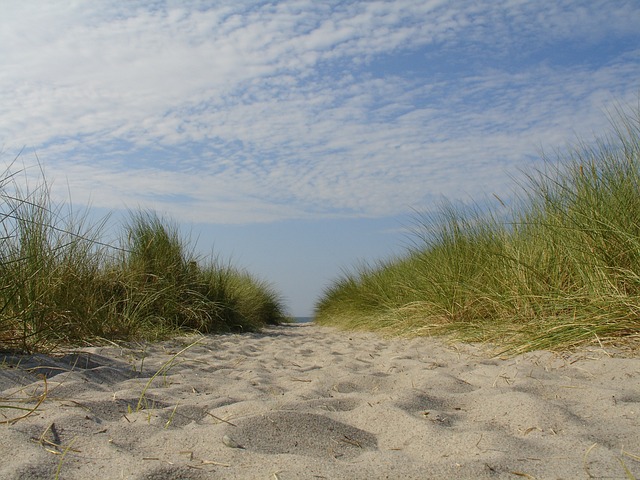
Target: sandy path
{"type": "Point", "coordinates": [308, 402]}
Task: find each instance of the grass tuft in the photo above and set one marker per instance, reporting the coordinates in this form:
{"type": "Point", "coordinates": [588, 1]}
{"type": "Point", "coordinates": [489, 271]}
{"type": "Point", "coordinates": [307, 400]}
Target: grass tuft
{"type": "Point", "coordinates": [60, 284]}
{"type": "Point", "coordinates": [561, 269]}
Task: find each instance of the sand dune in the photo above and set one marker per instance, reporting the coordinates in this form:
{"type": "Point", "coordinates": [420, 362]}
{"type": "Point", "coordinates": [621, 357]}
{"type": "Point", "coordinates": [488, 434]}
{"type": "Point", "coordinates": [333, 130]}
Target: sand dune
{"type": "Point", "coordinates": [309, 402]}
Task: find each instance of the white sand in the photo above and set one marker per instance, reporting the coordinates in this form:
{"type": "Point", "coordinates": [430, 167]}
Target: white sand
{"type": "Point", "coordinates": [310, 402]}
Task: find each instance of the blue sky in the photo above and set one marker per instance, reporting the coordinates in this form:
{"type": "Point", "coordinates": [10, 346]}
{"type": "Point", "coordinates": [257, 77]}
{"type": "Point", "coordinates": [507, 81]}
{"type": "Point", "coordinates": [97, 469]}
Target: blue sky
{"type": "Point", "coordinates": [297, 138]}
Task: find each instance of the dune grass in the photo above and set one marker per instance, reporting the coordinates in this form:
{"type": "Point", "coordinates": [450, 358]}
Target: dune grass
{"type": "Point", "coordinates": [61, 285]}
{"type": "Point", "coordinates": [562, 269]}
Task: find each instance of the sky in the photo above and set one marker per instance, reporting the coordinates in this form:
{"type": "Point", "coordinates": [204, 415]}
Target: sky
{"type": "Point", "coordinates": [298, 139]}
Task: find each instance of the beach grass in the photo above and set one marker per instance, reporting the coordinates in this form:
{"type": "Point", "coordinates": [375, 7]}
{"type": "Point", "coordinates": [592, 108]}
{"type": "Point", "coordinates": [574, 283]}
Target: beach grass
{"type": "Point", "coordinates": [559, 269]}
{"type": "Point", "coordinates": [61, 284]}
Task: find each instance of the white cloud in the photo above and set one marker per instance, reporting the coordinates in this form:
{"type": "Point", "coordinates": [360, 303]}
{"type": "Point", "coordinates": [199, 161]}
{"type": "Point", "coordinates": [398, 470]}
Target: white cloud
{"type": "Point", "coordinates": [257, 112]}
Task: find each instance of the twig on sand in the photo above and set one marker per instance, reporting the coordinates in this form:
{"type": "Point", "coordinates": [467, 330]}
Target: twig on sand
{"type": "Point", "coordinates": [161, 371]}
{"type": "Point", "coordinates": [586, 461]}
{"type": "Point", "coordinates": [351, 441]}
{"type": "Point", "coordinates": [211, 462]}
{"type": "Point", "coordinates": [221, 419]}
{"type": "Point", "coordinates": [29, 411]}
{"type": "Point", "coordinates": [56, 442]}
{"type": "Point", "coordinates": [525, 475]}
{"type": "Point", "coordinates": [64, 454]}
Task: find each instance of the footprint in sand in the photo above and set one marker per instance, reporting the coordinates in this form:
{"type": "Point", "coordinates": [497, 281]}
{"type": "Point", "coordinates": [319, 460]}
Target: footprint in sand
{"type": "Point", "coordinates": [302, 434]}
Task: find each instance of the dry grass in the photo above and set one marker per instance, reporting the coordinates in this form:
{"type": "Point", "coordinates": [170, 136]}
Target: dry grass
{"type": "Point", "coordinates": [62, 285]}
{"type": "Point", "coordinates": [561, 269]}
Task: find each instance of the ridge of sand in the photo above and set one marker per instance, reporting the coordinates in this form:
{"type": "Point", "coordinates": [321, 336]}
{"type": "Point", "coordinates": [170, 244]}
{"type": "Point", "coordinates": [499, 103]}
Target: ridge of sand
{"type": "Point", "coordinates": [309, 402]}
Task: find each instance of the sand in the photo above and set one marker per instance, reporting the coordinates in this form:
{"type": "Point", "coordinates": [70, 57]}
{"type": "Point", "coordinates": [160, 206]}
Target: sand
{"type": "Point", "coordinates": [311, 402]}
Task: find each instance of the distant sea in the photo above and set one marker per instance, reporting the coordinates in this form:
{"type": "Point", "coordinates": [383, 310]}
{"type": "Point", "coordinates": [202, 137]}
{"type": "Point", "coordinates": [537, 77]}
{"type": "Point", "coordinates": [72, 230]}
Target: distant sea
{"type": "Point", "coordinates": [303, 319]}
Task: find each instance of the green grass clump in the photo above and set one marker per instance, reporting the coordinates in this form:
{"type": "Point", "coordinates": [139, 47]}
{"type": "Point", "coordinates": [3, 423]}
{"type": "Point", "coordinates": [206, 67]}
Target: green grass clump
{"type": "Point", "coordinates": [61, 285]}
{"type": "Point", "coordinates": [564, 269]}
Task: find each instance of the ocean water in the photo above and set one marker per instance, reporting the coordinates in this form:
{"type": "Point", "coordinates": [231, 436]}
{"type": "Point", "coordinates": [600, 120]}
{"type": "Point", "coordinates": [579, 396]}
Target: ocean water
{"type": "Point", "coordinates": [303, 319]}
